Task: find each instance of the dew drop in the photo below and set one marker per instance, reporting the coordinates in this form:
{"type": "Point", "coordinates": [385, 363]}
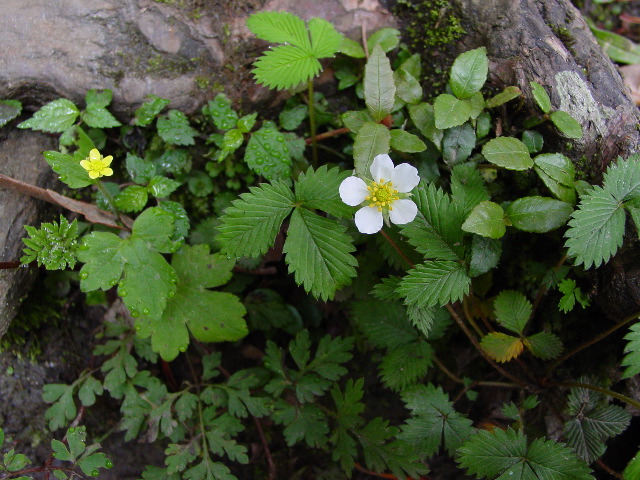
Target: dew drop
{"type": "Point", "coordinates": [183, 348]}
{"type": "Point", "coordinates": [95, 473]}
{"type": "Point", "coordinates": [135, 313]}
{"type": "Point", "coordinates": [122, 292]}
{"type": "Point", "coordinates": [84, 275]}
{"type": "Point", "coordinates": [72, 430]}
{"type": "Point", "coordinates": [138, 328]}
{"type": "Point", "coordinates": [145, 311]}
{"type": "Point", "coordinates": [113, 283]}
{"type": "Point", "coordinates": [109, 464]}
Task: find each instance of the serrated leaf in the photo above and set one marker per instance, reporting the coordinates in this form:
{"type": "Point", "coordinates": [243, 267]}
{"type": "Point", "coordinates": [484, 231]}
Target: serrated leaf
{"type": "Point", "coordinates": [436, 230]}
{"type": "Point", "coordinates": [505, 454]}
{"type": "Point", "coordinates": [99, 117]}
{"type": "Point", "coordinates": [622, 179]}
{"type": "Point", "coordinates": [486, 219]}
{"type": "Point", "coordinates": [14, 462]}
{"type": "Point", "coordinates": [220, 110]}
{"type": "Point", "coordinates": [349, 408]}
{"type": "Point", "coordinates": [267, 153]}
{"type": "Point", "coordinates": [250, 225]}
{"type": "Point", "coordinates": [404, 141]}
{"type": "Point", "coordinates": [372, 139]}
{"type": "Point", "coordinates": [383, 323]}
{"type": "Point", "coordinates": [450, 111]}
{"type": "Point", "coordinates": [631, 359]}
{"type": "Point", "coordinates": [506, 95]}
{"type": "Point", "coordinates": [379, 87]}
{"type": "Point", "coordinates": [139, 169]}
{"type": "Point", "coordinates": [469, 72]}
{"type": "Point", "coordinates": [132, 199]}
{"type": "Point", "coordinates": [318, 189]}
{"type": "Point", "coordinates": [178, 457]}
{"type": "Point", "coordinates": [596, 228]}
{"type": "Point", "coordinates": [9, 109]}
{"type": "Point", "coordinates": [558, 174]}
{"type": "Point", "coordinates": [150, 109]}
{"type": "Point", "coordinates": [570, 293]}
{"type": "Point", "coordinates": [544, 345]}
{"type": "Point", "coordinates": [325, 39]}
{"type": "Point", "coordinates": [54, 117]}
{"type": "Point", "coordinates": [285, 66]}
{"type": "Point", "coordinates": [541, 96]}
{"type": "Point", "coordinates": [435, 283]}
{"type": "Point", "coordinates": [403, 366]}
{"type": "Point", "coordinates": [318, 252]}
{"type": "Point", "coordinates": [568, 126]}
{"type": "Point", "coordinates": [280, 27]}
{"type": "Point", "coordinates": [174, 128]}
{"type": "Point", "coordinates": [423, 117]}
{"type": "Point", "coordinates": [433, 421]}
{"type": "Point", "coordinates": [507, 152]}
{"type": "Point", "coordinates": [512, 310]}
{"type": "Point", "coordinates": [501, 347]}
{"type": "Point", "coordinates": [68, 168]}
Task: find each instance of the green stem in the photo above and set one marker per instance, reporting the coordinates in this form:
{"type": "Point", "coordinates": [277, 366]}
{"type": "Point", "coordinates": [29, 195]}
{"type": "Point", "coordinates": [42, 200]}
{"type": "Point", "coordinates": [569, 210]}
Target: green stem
{"type": "Point", "coordinates": [312, 126]}
{"type": "Point", "coordinates": [591, 341]}
{"type": "Point", "coordinates": [605, 391]}
{"type": "Point", "coordinates": [108, 197]}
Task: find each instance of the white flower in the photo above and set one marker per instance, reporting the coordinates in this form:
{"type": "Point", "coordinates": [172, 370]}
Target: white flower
{"type": "Point", "coordinates": [385, 198]}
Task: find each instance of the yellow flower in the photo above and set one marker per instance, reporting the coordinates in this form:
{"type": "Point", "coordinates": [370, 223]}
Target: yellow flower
{"type": "Point", "coordinates": [97, 165]}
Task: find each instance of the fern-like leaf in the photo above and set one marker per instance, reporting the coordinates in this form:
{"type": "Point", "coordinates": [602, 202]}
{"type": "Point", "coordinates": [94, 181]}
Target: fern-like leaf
{"type": "Point", "coordinates": [505, 454]}
{"type": "Point", "coordinates": [596, 228]}
{"type": "Point", "coordinates": [632, 358]}
{"type": "Point", "coordinates": [435, 283]}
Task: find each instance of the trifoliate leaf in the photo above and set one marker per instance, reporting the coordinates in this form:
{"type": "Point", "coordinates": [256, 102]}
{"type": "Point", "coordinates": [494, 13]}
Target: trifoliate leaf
{"type": "Point", "coordinates": [267, 153]}
{"type": "Point", "coordinates": [148, 111]}
{"type": "Point", "coordinates": [450, 111]}
{"type": "Point", "coordinates": [325, 39]}
{"type": "Point", "coordinates": [570, 294]}
{"type": "Point", "coordinates": [622, 179]}
{"type": "Point", "coordinates": [319, 189]}
{"type": "Point", "coordinates": [379, 87]}
{"type": "Point", "coordinates": [372, 139]}
{"type": "Point", "coordinates": [91, 463]}
{"type": "Point", "coordinates": [512, 310]}
{"type": "Point", "coordinates": [433, 421]}
{"type": "Point", "coordinates": [486, 219]}
{"type": "Point", "coordinates": [631, 359]}
{"type": "Point", "coordinates": [501, 347]}
{"type": "Point", "coordinates": [436, 230]}
{"type": "Point", "coordinates": [435, 283]}
{"type": "Point", "coordinates": [568, 126]}
{"type": "Point", "coordinates": [54, 117]}
{"type": "Point", "coordinates": [403, 366]}
{"type": "Point", "coordinates": [544, 345]}
{"type": "Point", "coordinates": [596, 228]}
{"type": "Point", "coordinates": [54, 245]}
{"type": "Point", "coordinates": [250, 225]}
{"type": "Point", "coordinates": [383, 323]}
{"type": "Point", "coordinates": [507, 152]}
{"type": "Point", "coordinates": [285, 66]}
{"type": "Point", "coordinates": [505, 454]}
{"type": "Point", "coordinates": [318, 252]}
{"type": "Point", "coordinates": [174, 128]}
{"type": "Point", "coordinates": [541, 97]}
{"type": "Point", "coordinates": [469, 72]}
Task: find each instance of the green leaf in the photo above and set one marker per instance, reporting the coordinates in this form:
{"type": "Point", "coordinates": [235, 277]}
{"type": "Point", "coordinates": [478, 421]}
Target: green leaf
{"type": "Point", "coordinates": [349, 408]}
{"type": "Point", "coordinates": [139, 169]}
{"type": "Point", "coordinates": [436, 230]}
{"type": "Point", "coordinates": [54, 117]}
{"type": "Point", "coordinates": [386, 38]}
{"type": "Point", "coordinates": [318, 189]}
{"type": "Point", "coordinates": [538, 214]}
{"type": "Point", "coordinates": [1, 437]}
{"type": "Point", "coordinates": [354, 119]}
{"type": "Point", "coordinates": [292, 118]}
{"type": "Point", "coordinates": [544, 345]}
{"type": "Point", "coordinates": [501, 347]}
{"type": "Point", "coordinates": [433, 421]}
{"type": "Point", "coordinates": [249, 227]}
{"type": "Point", "coordinates": [435, 283]}
{"type": "Point", "coordinates": [486, 219]}
{"type": "Point", "coordinates": [91, 463]}
{"type": "Point", "coordinates": [68, 168]}
{"type": "Point", "coordinates": [505, 453]}
{"type": "Point", "coordinates": [467, 187]}
{"type": "Point", "coordinates": [632, 470]}
{"type": "Point", "coordinates": [408, 88]}
{"type": "Point", "coordinates": [383, 323]}
{"type": "Point", "coordinates": [458, 143]}
{"type": "Point", "coordinates": [14, 461]}
{"type": "Point", "coordinates": [174, 128]}
{"type": "Point", "coordinates": [178, 457]}
{"type": "Point", "coordinates": [132, 199]}
{"type": "Point", "coordinates": [379, 87]}
{"type": "Point", "coordinates": [533, 140]}
{"type": "Point", "coordinates": [450, 111]}
{"type": "Point", "coordinates": [372, 139]}
{"type": "Point", "coordinates": [571, 293]}
{"type": "Point", "coordinates": [99, 117]}
{"type": "Point", "coordinates": [88, 391]}
{"type": "Point", "coordinates": [302, 422]}
{"type": "Point", "coordinates": [325, 39]}
{"type": "Point", "coordinates": [596, 228]}
{"type": "Point", "coordinates": [60, 451]}
{"type": "Point", "coordinates": [506, 95]}
{"type": "Point", "coordinates": [221, 112]}
{"type": "Point", "coordinates": [558, 174]}
{"type": "Point", "coordinates": [351, 48]}
{"type": "Point", "coordinates": [403, 141]}
{"type": "Point", "coordinates": [631, 359]}
{"type": "Point", "coordinates": [507, 152]}
{"type": "Point", "coordinates": [267, 153]}
{"type": "Point", "coordinates": [403, 366]}
{"type": "Point", "coordinates": [469, 72]}
{"type": "Point", "coordinates": [540, 96]}
{"type": "Point", "coordinates": [150, 109]}
{"type": "Point", "coordinates": [423, 117]}
{"type": "Point", "coordinates": [512, 310]}
{"type": "Point", "coordinates": [76, 438]}
{"type": "Point", "coordinates": [63, 409]}
{"type": "Point", "coordinates": [280, 27]}
{"type": "Point", "coordinates": [622, 179]}
{"type": "Point", "coordinates": [619, 48]}
{"type": "Point", "coordinates": [285, 66]}
{"type": "Point", "coordinates": [318, 251]}
{"type": "Point", "coordinates": [9, 109]}
{"type": "Point", "coordinates": [567, 125]}
{"type": "Point", "coordinates": [485, 255]}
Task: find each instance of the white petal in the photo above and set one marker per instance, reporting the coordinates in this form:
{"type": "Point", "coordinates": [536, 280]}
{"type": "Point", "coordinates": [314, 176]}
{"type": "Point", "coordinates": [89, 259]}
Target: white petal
{"type": "Point", "coordinates": [368, 220]}
{"type": "Point", "coordinates": [404, 211]}
{"type": "Point", "coordinates": [405, 178]}
{"type": "Point", "coordinates": [382, 167]}
{"type": "Point", "coordinates": [353, 190]}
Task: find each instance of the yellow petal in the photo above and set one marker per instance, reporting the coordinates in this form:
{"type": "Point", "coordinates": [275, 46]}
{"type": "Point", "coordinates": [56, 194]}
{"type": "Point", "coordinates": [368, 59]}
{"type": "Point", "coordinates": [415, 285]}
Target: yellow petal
{"type": "Point", "coordinates": [93, 174]}
{"type": "Point", "coordinates": [107, 172]}
{"type": "Point", "coordinates": [107, 160]}
{"type": "Point", "coordinates": [86, 164]}
{"type": "Point", "coordinates": [94, 155]}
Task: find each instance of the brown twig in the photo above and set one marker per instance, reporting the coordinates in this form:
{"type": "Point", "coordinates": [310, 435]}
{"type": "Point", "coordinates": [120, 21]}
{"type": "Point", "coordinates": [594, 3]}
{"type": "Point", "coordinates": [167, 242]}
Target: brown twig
{"type": "Point", "coordinates": [329, 134]}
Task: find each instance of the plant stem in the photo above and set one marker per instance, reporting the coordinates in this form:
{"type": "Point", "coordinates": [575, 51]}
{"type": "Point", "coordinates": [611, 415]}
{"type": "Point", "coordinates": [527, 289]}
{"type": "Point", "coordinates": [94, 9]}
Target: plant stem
{"type": "Point", "coordinates": [312, 126]}
{"type": "Point", "coordinates": [605, 391]}
{"type": "Point", "coordinates": [592, 341]}
{"type": "Point", "coordinates": [396, 248]}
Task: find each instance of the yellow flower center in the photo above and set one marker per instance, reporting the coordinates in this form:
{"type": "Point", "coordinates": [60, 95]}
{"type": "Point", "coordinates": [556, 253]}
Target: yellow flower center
{"type": "Point", "coordinates": [381, 195]}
